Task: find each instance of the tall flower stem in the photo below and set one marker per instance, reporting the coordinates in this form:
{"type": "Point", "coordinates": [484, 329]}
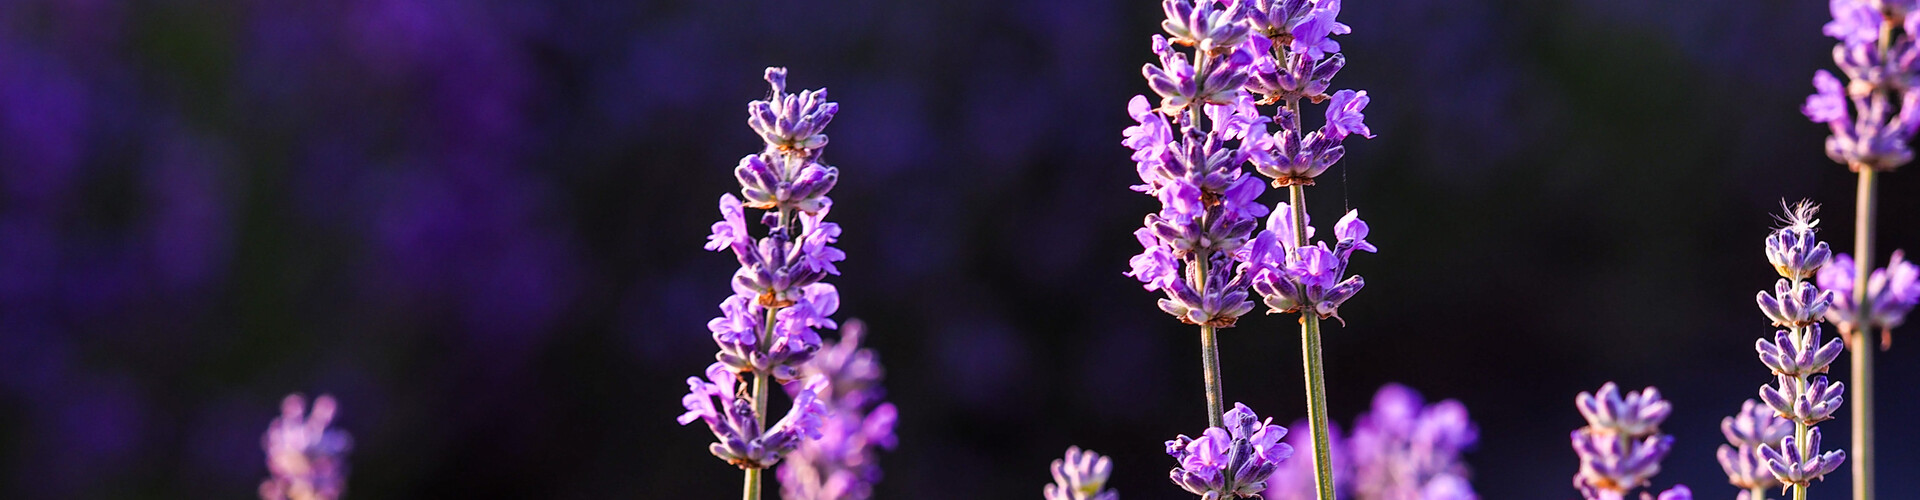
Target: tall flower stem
{"type": "Point", "coordinates": [750, 490]}
{"type": "Point", "coordinates": [1315, 374]}
{"type": "Point", "coordinates": [1862, 369]}
{"type": "Point", "coordinates": [1864, 214]}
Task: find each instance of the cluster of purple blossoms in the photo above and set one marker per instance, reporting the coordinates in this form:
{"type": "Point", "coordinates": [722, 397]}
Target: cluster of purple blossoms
{"type": "Point", "coordinates": [1081, 475]}
{"type": "Point", "coordinates": [1230, 462]}
{"type": "Point", "coordinates": [1306, 278]}
{"type": "Point", "coordinates": [1246, 53]}
{"type": "Point", "coordinates": [308, 460]}
{"type": "Point", "coordinates": [843, 464]}
{"type": "Point", "coordinates": [1796, 355]}
{"type": "Point", "coordinates": [1756, 425]}
{"type": "Point", "coordinates": [1403, 449]}
{"type": "Point", "coordinates": [1621, 446]}
{"type": "Point", "coordinates": [1867, 132]}
{"type": "Point", "coordinates": [767, 327]}
{"type": "Point", "coordinates": [1407, 450]}
{"type": "Point", "coordinates": [1892, 292]}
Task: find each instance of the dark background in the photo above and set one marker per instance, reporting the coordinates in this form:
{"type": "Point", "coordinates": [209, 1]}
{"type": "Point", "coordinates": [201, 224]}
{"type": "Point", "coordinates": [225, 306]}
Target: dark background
{"type": "Point", "coordinates": [478, 223]}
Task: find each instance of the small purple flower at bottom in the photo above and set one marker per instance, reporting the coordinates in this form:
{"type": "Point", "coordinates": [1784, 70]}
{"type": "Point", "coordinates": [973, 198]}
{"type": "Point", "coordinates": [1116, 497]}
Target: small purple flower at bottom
{"type": "Point", "coordinates": [1621, 446]}
{"type": "Point", "coordinates": [1081, 475]}
{"type": "Point", "coordinates": [1233, 462]}
{"type": "Point", "coordinates": [308, 460]}
{"type": "Point", "coordinates": [735, 424]}
{"type": "Point", "coordinates": [1405, 449]}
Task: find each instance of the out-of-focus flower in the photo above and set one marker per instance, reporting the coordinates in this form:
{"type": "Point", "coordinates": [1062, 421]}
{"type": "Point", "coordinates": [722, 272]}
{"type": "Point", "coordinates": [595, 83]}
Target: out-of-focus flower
{"type": "Point", "coordinates": [1892, 292]}
{"type": "Point", "coordinates": [1755, 425]}
{"type": "Point", "coordinates": [843, 464]}
{"type": "Point", "coordinates": [1081, 475]}
{"type": "Point", "coordinates": [1621, 446]}
{"type": "Point", "coordinates": [1405, 449]}
{"type": "Point", "coordinates": [307, 459]}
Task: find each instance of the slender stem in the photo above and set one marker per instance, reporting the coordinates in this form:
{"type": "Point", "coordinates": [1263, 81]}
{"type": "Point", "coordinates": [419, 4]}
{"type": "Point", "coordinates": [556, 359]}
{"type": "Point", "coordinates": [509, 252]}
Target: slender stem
{"type": "Point", "coordinates": [751, 491]}
{"type": "Point", "coordinates": [1210, 362]}
{"type": "Point", "coordinates": [1317, 406]}
{"type": "Point", "coordinates": [1310, 351]}
{"type": "Point", "coordinates": [1862, 369]}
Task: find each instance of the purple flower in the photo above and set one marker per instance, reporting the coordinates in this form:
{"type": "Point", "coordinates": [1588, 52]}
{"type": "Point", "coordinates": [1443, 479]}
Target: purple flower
{"type": "Point", "coordinates": [735, 423]}
{"type": "Point", "coordinates": [1081, 475]}
{"type": "Point", "coordinates": [843, 464]}
{"type": "Point", "coordinates": [1313, 35]}
{"type": "Point", "coordinates": [1746, 431]}
{"type": "Point", "coordinates": [308, 460]}
{"type": "Point", "coordinates": [1405, 449]}
{"type": "Point", "coordinates": [1205, 24]}
{"type": "Point", "coordinates": [1794, 305]}
{"type": "Point", "coordinates": [1621, 446]}
{"type": "Point", "coordinates": [1855, 22]}
{"type": "Point", "coordinates": [1344, 117]}
{"type": "Point", "coordinates": [1229, 462]}
{"type": "Point", "coordinates": [791, 121]}
{"type": "Point", "coordinates": [1892, 292]}
{"type": "Point", "coordinates": [1811, 404]}
{"type": "Point", "coordinates": [1791, 356]}
{"type": "Point", "coordinates": [1828, 104]}
{"type": "Point", "coordinates": [1293, 278]}
{"type": "Point", "coordinates": [1173, 79]}
{"type": "Point", "coordinates": [1792, 466]}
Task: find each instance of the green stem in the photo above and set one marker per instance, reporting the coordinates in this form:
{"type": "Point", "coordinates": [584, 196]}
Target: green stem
{"type": "Point", "coordinates": [1862, 347]}
{"type": "Point", "coordinates": [1210, 361]}
{"type": "Point", "coordinates": [752, 488]}
{"type": "Point", "coordinates": [1310, 352]}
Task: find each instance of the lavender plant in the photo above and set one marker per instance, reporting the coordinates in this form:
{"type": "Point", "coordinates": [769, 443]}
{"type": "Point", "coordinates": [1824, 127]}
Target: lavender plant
{"type": "Point", "coordinates": [1797, 355]}
{"type": "Point", "coordinates": [1754, 426]}
{"type": "Point", "coordinates": [1880, 56]}
{"type": "Point", "coordinates": [307, 459]}
{"type": "Point", "coordinates": [1621, 446]}
{"type": "Point", "coordinates": [1081, 475]}
{"type": "Point", "coordinates": [766, 330]}
{"type": "Point", "coordinates": [1295, 59]}
{"type": "Point", "coordinates": [843, 464]}
{"type": "Point", "coordinates": [1197, 247]}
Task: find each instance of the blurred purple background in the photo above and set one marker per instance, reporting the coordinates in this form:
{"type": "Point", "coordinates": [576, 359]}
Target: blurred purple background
{"type": "Point", "coordinates": [478, 224]}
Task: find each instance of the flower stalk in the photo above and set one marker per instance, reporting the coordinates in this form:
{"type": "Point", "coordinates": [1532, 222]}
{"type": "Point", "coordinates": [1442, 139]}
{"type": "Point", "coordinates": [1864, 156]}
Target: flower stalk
{"type": "Point", "coordinates": [1862, 351]}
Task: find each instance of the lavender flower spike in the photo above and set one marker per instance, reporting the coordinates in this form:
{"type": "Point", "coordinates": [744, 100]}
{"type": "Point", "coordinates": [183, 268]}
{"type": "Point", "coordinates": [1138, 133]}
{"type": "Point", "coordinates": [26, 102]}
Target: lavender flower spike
{"type": "Point", "coordinates": [1797, 357]}
{"type": "Point", "coordinates": [308, 460]}
{"type": "Point", "coordinates": [1621, 446]}
{"type": "Point", "coordinates": [1231, 462]}
{"type": "Point", "coordinates": [1082, 475]}
{"type": "Point", "coordinates": [768, 328]}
